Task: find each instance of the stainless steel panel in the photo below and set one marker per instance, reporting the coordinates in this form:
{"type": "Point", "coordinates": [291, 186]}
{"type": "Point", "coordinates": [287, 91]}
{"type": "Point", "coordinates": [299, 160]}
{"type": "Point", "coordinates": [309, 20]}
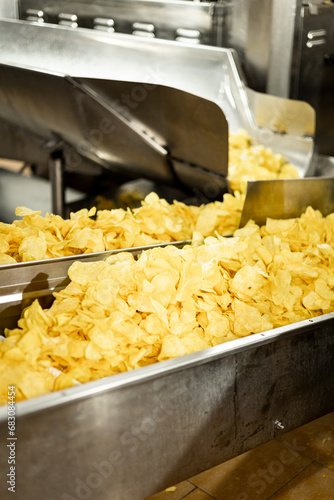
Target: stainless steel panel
{"type": "Point", "coordinates": [189, 128]}
{"type": "Point", "coordinates": [284, 125]}
{"type": "Point", "coordinates": [56, 109]}
{"type": "Point", "coordinates": [269, 36]}
{"type": "Point", "coordinates": [287, 198]}
{"type": "Point", "coordinates": [128, 436]}
{"type": "Point", "coordinates": [283, 116]}
{"type": "Point", "coordinates": [324, 165]}
{"type": "Point", "coordinates": [312, 79]}
{"type": "Point", "coordinates": [278, 57]}
{"type": "Point", "coordinates": [166, 16]}
{"type": "Point", "coordinates": [283, 46]}
{"type": "Point", "coordinates": [265, 35]}
{"type": "Point", "coordinates": [9, 9]}
{"type": "Point", "coordinates": [248, 30]}
{"type": "Point", "coordinates": [17, 144]}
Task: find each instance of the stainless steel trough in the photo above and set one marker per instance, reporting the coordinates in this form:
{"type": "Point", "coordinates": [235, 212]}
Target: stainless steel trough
{"type": "Point", "coordinates": [128, 436]}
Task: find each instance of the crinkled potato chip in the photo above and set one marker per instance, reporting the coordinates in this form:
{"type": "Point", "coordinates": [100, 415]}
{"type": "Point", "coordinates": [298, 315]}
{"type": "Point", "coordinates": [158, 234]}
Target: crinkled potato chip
{"type": "Point", "coordinates": [32, 248]}
{"type": "Point", "coordinates": [6, 259]}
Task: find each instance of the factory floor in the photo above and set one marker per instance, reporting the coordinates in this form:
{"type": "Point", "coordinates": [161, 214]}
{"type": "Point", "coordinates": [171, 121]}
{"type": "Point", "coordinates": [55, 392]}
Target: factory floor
{"type": "Point", "coordinates": [296, 466]}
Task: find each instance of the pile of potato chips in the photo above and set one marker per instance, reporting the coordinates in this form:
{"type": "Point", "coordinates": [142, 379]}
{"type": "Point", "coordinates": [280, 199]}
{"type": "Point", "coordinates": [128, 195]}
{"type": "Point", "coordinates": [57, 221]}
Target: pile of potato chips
{"type": "Point", "coordinates": [252, 162]}
{"type": "Point", "coordinates": [121, 314]}
{"type": "Point", "coordinates": [36, 237]}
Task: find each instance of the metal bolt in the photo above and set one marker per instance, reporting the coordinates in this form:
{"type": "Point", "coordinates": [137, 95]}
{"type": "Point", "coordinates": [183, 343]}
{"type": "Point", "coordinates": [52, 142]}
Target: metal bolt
{"type": "Point", "coordinates": [278, 425]}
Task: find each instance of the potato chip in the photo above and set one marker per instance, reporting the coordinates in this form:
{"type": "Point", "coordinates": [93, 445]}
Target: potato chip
{"type": "Point", "coordinates": [248, 283]}
{"type": "Point", "coordinates": [6, 259]}
{"type": "Point", "coordinates": [22, 211]}
{"type": "Point", "coordinates": [82, 274]}
{"type": "Point", "coordinates": [314, 302]}
{"type": "Point", "coordinates": [32, 248]}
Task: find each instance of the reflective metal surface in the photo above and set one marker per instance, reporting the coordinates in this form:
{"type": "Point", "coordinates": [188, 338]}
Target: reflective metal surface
{"type": "Point", "coordinates": [88, 115]}
{"type": "Point", "coordinates": [9, 9]}
{"type": "Point", "coordinates": [287, 198]}
{"type": "Point", "coordinates": [315, 80]}
{"type": "Point", "coordinates": [286, 49]}
{"type": "Point", "coordinates": [211, 73]}
{"type": "Point", "coordinates": [161, 19]}
{"type": "Point", "coordinates": [270, 36]}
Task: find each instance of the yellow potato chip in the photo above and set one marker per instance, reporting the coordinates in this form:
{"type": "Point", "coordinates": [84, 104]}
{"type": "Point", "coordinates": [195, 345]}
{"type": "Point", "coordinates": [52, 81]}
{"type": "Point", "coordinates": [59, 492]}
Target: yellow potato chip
{"type": "Point", "coordinates": [248, 319]}
{"type": "Point", "coordinates": [32, 248]}
{"type": "Point", "coordinates": [84, 273]}
{"type": "Point", "coordinates": [22, 211]}
{"type": "Point", "coordinates": [6, 259]}
{"type": "Point", "coordinates": [248, 283]}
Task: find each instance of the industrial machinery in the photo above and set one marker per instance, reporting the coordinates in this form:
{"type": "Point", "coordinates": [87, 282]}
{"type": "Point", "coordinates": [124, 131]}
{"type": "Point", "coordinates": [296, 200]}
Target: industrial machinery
{"type": "Point", "coordinates": [150, 89]}
{"type": "Point", "coordinates": [285, 47]}
{"type": "Point", "coordinates": [59, 61]}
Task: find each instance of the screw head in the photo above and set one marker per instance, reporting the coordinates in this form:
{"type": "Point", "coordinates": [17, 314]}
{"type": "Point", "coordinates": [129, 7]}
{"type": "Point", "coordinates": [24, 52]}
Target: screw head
{"type": "Point", "coordinates": [278, 425]}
